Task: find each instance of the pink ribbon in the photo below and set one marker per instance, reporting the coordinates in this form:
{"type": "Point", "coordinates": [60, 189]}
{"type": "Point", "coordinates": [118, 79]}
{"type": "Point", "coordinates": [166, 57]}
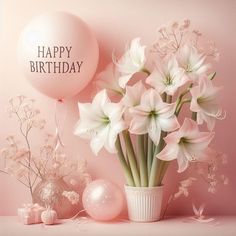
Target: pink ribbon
{"type": "Point", "coordinates": [59, 141]}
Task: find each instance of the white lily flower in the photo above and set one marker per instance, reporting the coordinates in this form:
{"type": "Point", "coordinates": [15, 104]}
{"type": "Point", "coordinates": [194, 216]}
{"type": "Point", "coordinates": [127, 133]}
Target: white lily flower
{"type": "Point", "coordinates": [152, 116]}
{"type": "Point", "coordinates": [192, 62]}
{"type": "Point", "coordinates": [133, 94]}
{"type": "Point", "coordinates": [168, 77]}
{"type": "Point", "coordinates": [204, 102]}
{"type": "Point", "coordinates": [186, 145]}
{"type": "Point", "coordinates": [132, 98]}
{"type": "Point", "coordinates": [101, 121]}
{"type": "Point", "coordinates": [131, 62]}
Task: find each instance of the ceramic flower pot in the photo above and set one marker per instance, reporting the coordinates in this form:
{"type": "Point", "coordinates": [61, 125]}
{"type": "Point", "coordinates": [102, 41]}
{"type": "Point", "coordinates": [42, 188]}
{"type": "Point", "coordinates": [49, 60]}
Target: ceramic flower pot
{"type": "Point", "coordinates": [48, 193]}
{"type": "Point", "coordinates": [144, 203]}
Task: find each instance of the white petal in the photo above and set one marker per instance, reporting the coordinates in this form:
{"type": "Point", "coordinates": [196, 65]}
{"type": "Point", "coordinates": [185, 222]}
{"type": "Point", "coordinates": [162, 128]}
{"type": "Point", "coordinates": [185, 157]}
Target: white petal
{"type": "Point", "coordinates": [123, 80]}
{"type": "Point", "coordinates": [133, 94]}
{"type": "Point", "coordinates": [100, 99]}
{"type": "Point", "coordinates": [112, 136]}
{"type": "Point", "coordinates": [200, 119]}
{"type": "Point", "coordinates": [194, 105]}
{"type": "Point", "coordinates": [166, 110]}
{"type": "Point", "coordinates": [139, 111]}
{"type": "Point", "coordinates": [154, 131]}
{"type": "Point", "coordinates": [183, 55]}
{"type": "Point", "coordinates": [169, 152]}
{"type": "Point", "coordinates": [203, 69]}
{"type": "Point", "coordinates": [139, 125]}
{"type": "Point", "coordinates": [196, 146]}
{"type": "Point", "coordinates": [155, 79]}
{"type": "Point", "coordinates": [189, 128]}
{"type": "Point", "coordinates": [114, 111]}
{"type": "Point", "coordinates": [108, 79]}
{"type": "Point", "coordinates": [182, 162]}
{"type": "Point", "coordinates": [201, 137]}
{"type": "Point", "coordinates": [98, 141]}
{"type": "Point", "coordinates": [196, 61]}
{"type": "Point", "coordinates": [172, 63]}
{"type": "Point", "coordinates": [173, 138]}
{"type": "Point", "coordinates": [151, 99]}
{"type": "Point", "coordinates": [189, 153]}
{"type": "Point", "coordinates": [169, 124]}
{"type": "Point", "coordinates": [89, 121]}
{"type": "Point", "coordinates": [210, 122]}
{"type": "Point", "coordinates": [137, 52]}
{"type": "Point", "coordinates": [86, 111]}
{"type": "Point", "coordinates": [132, 61]}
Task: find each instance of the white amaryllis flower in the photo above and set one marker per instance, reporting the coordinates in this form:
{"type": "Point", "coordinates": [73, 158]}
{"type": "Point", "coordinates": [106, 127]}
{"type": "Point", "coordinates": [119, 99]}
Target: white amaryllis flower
{"type": "Point", "coordinates": [167, 77]}
{"type": "Point", "coordinates": [186, 145]}
{"type": "Point", "coordinates": [132, 98]}
{"type": "Point", "coordinates": [108, 79]}
{"type": "Point", "coordinates": [101, 121]}
{"type": "Point", "coordinates": [192, 62]}
{"type": "Point", "coordinates": [131, 62]}
{"type": "Point", "coordinates": [133, 94]}
{"type": "Point", "coordinates": [204, 102]}
{"type": "Point", "coordinates": [152, 116]}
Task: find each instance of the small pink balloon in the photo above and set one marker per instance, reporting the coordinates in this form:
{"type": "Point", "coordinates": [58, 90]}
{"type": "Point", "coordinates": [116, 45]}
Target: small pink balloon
{"type": "Point", "coordinates": [58, 54]}
{"type": "Point", "coordinates": [103, 200]}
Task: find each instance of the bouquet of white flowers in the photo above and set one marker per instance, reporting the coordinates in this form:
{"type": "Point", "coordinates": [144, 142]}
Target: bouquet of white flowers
{"type": "Point", "coordinates": [155, 83]}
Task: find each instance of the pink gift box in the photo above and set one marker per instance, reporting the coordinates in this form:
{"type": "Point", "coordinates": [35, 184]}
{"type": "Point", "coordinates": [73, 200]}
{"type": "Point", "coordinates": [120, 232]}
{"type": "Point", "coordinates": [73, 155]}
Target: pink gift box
{"type": "Point", "coordinates": [30, 214]}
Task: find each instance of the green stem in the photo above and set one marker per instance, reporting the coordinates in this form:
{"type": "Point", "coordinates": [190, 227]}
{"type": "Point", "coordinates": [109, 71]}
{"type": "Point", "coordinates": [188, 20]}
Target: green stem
{"type": "Point", "coordinates": [153, 181]}
{"type": "Point", "coordinates": [142, 160]}
{"type": "Point", "coordinates": [127, 159]}
{"type": "Point", "coordinates": [180, 98]}
{"type": "Point", "coordinates": [132, 158]}
{"type": "Point", "coordinates": [149, 155]}
{"type": "Point", "coordinates": [162, 168]}
{"type": "Point", "coordinates": [126, 168]}
{"type": "Point", "coordinates": [179, 107]}
{"type": "Point", "coordinates": [145, 144]}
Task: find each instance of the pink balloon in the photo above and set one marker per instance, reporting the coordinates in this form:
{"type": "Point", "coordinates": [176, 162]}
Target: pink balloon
{"type": "Point", "coordinates": [103, 200]}
{"type": "Point", "coordinates": [58, 54]}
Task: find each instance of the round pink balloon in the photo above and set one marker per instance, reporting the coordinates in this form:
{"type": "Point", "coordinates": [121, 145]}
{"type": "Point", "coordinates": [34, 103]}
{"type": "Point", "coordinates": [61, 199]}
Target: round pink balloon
{"type": "Point", "coordinates": [58, 54]}
{"type": "Point", "coordinates": [103, 200]}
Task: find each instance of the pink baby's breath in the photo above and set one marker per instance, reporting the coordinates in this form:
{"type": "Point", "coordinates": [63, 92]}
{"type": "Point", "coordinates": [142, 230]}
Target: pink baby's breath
{"type": "Point", "coordinates": [72, 196]}
{"type": "Point", "coordinates": [27, 165]}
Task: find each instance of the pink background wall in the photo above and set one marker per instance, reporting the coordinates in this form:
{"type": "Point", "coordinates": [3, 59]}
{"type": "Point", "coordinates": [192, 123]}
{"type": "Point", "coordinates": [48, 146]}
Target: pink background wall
{"type": "Point", "coordinates": [115, 23]}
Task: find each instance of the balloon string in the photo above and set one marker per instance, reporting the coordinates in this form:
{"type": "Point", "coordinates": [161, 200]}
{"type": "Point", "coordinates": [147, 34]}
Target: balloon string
{"type": "Point", "coordinates": [58, 138]}
{"type": "Point", "coordinates": [75, 216]}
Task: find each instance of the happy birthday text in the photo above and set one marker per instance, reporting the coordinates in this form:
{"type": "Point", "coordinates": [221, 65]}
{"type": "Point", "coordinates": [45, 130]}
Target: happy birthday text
{"type": "Point", "coordinates": [50, 66]}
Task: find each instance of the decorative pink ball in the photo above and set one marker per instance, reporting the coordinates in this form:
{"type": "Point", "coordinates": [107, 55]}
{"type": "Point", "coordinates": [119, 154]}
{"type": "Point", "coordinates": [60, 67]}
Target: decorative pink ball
{"type": "Point", "coordinates": [103, 200]}
{"type": "Point", "coordinates": [58, 54]}
{"type": "Point", "coordinates": [49, 217]}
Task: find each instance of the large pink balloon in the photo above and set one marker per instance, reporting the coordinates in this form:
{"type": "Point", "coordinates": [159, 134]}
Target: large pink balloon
{"type": "Point", "coordinates": [58, 54]}
{"type": "Point", "coordinates": [103, 200]}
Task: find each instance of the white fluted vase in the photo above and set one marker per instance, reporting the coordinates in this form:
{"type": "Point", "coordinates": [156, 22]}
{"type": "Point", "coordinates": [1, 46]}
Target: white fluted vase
{"type": "Point", "coordinates": [144, 203]}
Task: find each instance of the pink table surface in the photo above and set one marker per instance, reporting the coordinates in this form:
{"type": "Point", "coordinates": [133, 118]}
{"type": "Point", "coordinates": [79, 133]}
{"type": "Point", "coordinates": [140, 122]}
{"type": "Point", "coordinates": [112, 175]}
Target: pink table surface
{"type": "Point", "coordinates": [222, 226]}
